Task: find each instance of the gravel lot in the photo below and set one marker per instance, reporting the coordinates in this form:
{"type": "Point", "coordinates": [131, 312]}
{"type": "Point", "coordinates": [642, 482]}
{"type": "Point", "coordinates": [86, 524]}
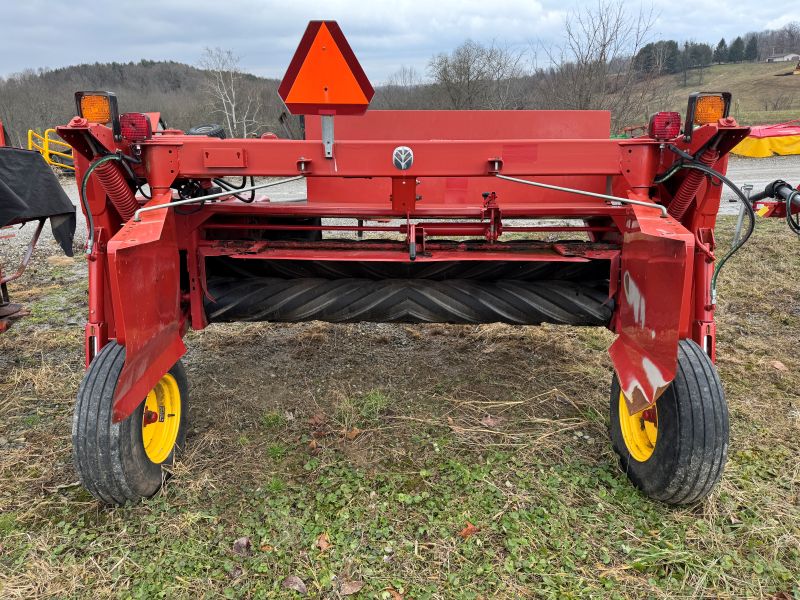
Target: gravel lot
{"type": "Point", "coordinates": [756, 171]}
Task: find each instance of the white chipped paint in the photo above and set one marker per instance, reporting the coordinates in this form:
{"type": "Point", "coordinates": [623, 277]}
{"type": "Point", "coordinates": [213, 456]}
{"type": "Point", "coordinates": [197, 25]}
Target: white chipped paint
{"type": "Point", "coordinates": [653, 386]}
{"type": "Point", "coordinates": [654, 375]}
{"type": "Point", "coordinates": [634, 298]}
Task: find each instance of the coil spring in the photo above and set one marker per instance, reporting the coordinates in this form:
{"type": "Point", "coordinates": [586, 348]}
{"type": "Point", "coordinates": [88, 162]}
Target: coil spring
{"type": "Point", "coordinates": [117, 189]}
{"type": "Point", "coordinates": [686, 192]}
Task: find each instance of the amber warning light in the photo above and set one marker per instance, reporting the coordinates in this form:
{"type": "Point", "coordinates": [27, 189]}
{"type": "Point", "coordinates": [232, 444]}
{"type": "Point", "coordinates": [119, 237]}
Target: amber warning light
{"type": "Point", "coordinates": [324, 77]}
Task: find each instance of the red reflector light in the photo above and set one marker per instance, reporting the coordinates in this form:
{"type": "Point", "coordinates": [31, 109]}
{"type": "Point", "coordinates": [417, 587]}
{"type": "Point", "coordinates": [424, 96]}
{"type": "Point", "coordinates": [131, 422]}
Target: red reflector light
{"type": "Point", "coordinates": [135, 127]}
{"type": "Point", "coordinates": [664, 125]}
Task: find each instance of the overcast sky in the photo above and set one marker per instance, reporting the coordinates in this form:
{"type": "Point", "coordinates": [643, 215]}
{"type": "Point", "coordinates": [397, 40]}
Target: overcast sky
{"type": "Point", "coordinates": [385, 35]}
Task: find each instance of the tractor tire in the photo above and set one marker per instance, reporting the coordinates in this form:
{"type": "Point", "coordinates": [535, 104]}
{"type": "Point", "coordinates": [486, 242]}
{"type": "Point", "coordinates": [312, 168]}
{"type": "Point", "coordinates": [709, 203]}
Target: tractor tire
{"type": "Point", "coordinates": [121, 462]}
{"type": "Point", "coordinates": [210, 130]}
{"type": "Point", "coordinates": [675, 451]}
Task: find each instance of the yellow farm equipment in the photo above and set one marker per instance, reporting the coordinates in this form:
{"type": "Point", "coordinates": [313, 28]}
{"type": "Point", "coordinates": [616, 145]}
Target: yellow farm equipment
{"type": "Point", "coordinates": [55, 152]}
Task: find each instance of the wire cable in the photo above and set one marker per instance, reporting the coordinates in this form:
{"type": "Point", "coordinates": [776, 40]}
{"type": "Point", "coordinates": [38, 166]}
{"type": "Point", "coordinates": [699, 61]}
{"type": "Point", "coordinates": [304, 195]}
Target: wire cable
{"type": "Point", "coordinates": [794, 224]}
{"type": "Point", "coordinates": [742, 198]}
{"type": "Point", "coordinates": [85, 201]}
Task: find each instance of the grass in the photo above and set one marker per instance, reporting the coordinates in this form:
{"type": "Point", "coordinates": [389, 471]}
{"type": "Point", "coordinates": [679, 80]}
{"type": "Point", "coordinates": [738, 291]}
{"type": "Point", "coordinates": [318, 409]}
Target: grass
{"type": "Point", "coordinates": [761, 95]}
{"type": "Point", "coordinates": [390, 440]}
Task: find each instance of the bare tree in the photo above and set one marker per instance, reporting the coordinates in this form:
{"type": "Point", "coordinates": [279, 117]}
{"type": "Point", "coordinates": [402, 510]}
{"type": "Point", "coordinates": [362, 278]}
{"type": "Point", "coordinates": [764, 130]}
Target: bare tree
{"type": "Point", "coordinates": [477, 76]}
{"type": "Point", "coordinates": [403, 90]}
{"type": "Point", "coordinates": [594, 67]}
{"type": "Point", "coordinates": [230, 92]}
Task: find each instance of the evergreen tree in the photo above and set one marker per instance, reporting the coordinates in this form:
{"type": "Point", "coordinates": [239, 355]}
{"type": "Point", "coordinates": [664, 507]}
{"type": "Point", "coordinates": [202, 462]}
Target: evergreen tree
{"type": "Point", "coordinates": [644, 61]}
{"type": "Point", "coordinates": [751, 49]}
{"type": "Point", "coordinates": [699, 54]}
{"type": "Point", "coordinates": [671, 53]}
{"type": "Point", "coordinates": [721, 52]}
{"type": "Point", "coordinates": [736, 51]}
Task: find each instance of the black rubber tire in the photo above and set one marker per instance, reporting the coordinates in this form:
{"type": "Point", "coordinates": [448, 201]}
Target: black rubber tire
{"type": "Point", "coordinates": [110, 457]}
{"type": "Point", "coordinates": [211, 130]}
{"type": "Point", "coordinates": [692, 443]}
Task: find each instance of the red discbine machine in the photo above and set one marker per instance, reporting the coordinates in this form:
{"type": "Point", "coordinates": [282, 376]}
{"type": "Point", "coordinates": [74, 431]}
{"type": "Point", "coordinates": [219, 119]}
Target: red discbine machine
{"type": "Point", "coordinates": [406, 216]}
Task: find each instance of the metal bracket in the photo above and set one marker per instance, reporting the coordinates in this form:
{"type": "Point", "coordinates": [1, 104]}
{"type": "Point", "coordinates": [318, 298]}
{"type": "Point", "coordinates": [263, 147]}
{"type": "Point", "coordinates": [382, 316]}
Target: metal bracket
{"type": "Point", "coordinates": [327, 135]}
{"type": "Point", "coordinates": [747, 188]}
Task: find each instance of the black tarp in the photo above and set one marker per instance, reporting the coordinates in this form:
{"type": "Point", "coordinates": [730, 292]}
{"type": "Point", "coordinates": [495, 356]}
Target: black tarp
{"type": "Point", "coordinates": [29, 191]}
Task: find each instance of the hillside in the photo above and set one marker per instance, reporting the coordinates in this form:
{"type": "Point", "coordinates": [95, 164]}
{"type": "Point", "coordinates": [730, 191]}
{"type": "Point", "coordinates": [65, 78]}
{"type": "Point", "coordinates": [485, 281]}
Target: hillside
{"type": "Point", "coordinates": [37, 100]}
{"type": "Point", "coordinates": [760, 94]}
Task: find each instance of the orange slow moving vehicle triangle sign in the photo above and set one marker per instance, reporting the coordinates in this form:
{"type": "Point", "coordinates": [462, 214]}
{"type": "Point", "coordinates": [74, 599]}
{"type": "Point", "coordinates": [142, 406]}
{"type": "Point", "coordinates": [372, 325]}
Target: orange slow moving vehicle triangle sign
{"type": "Point", "coordinates": [324, 77]}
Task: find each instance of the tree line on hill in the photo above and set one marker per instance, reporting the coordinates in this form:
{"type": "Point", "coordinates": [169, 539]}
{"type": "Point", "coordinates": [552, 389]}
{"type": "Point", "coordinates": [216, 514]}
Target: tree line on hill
{"type": "Point", "coordinates": [38, 99]}
{"type": "Point", "coordinates": [667, 56]}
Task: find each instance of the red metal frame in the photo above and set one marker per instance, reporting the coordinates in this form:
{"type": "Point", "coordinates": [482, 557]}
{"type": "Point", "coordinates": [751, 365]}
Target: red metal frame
{"type": "Point", "coordinates": [147, 278]}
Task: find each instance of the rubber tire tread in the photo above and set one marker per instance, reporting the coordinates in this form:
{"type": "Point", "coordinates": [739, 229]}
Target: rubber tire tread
{"type": "Point", "coordinates": [693, 431]}
{"type": "Point", "coordinates": [110, 458]}
{"type": "Point", "coordinates": [210, 130]}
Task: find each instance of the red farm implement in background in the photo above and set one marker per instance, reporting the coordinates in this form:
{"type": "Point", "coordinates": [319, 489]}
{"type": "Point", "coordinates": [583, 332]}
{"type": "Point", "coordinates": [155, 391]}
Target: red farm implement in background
{"type": "Point", "coordinates": [417, 216]}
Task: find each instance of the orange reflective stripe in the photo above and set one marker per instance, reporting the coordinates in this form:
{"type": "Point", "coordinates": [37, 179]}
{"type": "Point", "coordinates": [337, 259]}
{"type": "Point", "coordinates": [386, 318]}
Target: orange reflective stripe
{"type": "Point", "coordinates": [325, 77]}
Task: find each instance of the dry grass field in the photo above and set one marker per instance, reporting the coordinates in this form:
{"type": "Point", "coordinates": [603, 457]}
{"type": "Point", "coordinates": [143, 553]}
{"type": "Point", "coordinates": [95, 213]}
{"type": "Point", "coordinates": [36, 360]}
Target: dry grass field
{"type": "Point", "coordinates": [762, 92]}
{"type": "Point", "coordinates": [355, 459]}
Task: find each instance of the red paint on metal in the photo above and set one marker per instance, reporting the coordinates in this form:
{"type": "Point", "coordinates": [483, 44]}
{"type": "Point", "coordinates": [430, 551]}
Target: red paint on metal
{"type": "Point", "coordinates": [144, 272]}
{"type": "Point", "coordinates": [217, 158]}
{"type": "Point", "coordinates": [144, 294]}
{"type": "Point", "coordinates": [652, 307]}
{"type": "Point", "coordinates": [388, 251]}
{"type": "Point", "coordinates": [487, 125]}
{"type": "Point", "coordinates": [404, 194]}
{"type": "Point", "coordinates": [774, 208]}
{"type": "Point", "coordinates": [373, 158]}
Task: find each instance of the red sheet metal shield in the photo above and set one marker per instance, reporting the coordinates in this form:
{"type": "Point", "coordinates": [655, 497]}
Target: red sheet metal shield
{"type": "Point", "coordinates": [652, 316]}
{"type": "Point", "coordinates": [144, 271]}
{"type": "Point", "coordinates": [324, 77]}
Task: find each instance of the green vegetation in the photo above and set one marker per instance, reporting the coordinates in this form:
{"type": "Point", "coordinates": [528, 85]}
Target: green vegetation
{"type": "Point", "coordinates": [762, 92]}
{"type": "Point", "coordinates": [363, 458]}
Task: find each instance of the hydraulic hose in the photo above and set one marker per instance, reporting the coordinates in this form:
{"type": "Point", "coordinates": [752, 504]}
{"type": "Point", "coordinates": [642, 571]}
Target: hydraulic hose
{"type": "Point", "coordinates": [705, 169]}
{"type": "Point", "coordinates": [688, 188]}
{"type": "Point", "coordinates": [779, 188]}
{"type": "Point", "coordinates": [227, 185]}
{"type": "Point", "coordinates": [85, 202]}
{"type": "Point", "coordinates": [792, 196]}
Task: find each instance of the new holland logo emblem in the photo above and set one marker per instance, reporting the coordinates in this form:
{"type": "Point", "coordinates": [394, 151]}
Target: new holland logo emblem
{"type": "Point", "coordinates": [403, 157]}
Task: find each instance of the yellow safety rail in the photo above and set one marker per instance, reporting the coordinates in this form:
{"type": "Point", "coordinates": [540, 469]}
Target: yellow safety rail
{"type": "Point", "coordinates": [54, 151]}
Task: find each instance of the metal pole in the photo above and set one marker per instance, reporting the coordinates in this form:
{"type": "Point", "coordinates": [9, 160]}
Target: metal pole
{"type": "Point", "coordinates": [137, 216]}
{"type": "Point", "coordinates": [26, 258]}
{"type": "Point", "coordinates": [606, 197]}
{"type": "Point", "coordinates": [746, 188]}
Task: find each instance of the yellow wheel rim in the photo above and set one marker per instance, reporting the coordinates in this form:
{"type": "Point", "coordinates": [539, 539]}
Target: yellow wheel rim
{"type": "Point", "coordinates": [639, 431]}
{"type": "Point", "coordinates": [161, 419]}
